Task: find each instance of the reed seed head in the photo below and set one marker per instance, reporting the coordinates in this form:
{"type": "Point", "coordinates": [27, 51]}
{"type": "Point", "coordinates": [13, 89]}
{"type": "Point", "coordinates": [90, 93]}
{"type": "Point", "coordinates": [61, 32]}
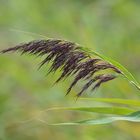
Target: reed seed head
{"type": "Point", "coordinates": [71, 60]}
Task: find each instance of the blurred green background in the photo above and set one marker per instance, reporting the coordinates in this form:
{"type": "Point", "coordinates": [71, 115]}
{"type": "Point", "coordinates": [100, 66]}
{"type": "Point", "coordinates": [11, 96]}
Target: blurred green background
{"type": "Point", "coordinates": [110, 27]}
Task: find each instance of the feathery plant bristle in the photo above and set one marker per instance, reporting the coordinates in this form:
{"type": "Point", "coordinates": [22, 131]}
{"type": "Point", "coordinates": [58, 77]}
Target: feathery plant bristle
{"type": "Point", "coordinates": [71, 59]}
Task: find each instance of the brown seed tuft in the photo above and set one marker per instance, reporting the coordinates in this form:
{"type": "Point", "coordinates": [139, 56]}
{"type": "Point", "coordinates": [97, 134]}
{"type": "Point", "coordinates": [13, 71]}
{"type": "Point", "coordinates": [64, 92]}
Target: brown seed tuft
{"type": "Point", "coordinates": [71, 60]}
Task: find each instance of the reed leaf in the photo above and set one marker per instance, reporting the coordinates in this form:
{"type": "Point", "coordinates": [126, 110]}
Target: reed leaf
{"type": "Point", "coordinates": [115, 101]}
{"type": "Point", "coordinates": [133, 117]}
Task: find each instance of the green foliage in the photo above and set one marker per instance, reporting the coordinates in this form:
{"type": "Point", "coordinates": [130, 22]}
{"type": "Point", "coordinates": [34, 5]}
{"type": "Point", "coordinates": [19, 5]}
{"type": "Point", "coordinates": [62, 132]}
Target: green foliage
{"type": "Point", "coordinates": [134, 117]}
{"type": "Point", "coordinates": [115, 100]}
{"type": "Point", "coordinates": [123, 114]}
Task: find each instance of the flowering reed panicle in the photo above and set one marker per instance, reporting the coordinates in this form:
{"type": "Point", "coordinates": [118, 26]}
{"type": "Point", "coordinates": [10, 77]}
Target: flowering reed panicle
{"type": "Point", "coordinates": [71, 60]}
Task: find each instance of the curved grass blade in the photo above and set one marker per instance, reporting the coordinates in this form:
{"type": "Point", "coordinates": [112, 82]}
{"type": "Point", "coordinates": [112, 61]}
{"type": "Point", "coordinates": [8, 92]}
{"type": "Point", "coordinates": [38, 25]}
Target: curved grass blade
{"type": "Point", "coordinates": [124, 71]}
{"type": "Point", "coordinates": [133, 117]}
{"type": "Point", "coordinates": [102, 110]}
{"type": "Point", "coordinates": [115, 100]}
{"type": "Point", "coordinates": [105, 110]}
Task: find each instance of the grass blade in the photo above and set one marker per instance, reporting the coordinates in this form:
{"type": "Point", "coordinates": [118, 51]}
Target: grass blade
{"type": "Point", "coordinates": [115, 100]}
{"type": "Point", "coordinates": [102, 110]}
{"type": "Point", "coordinates": [133, 117]}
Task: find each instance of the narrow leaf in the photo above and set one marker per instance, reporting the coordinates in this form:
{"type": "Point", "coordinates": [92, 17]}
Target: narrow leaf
{"type": "Point", "coordinates": [115, 100]}
{"type": "Point", "coordinates": [102, 110]}
{"type": "Point", "coordinates": [133, 117]}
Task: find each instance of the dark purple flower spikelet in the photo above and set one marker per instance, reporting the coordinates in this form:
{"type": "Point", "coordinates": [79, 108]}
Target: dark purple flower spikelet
{"type": "Point", "coordinates": [71, 60]}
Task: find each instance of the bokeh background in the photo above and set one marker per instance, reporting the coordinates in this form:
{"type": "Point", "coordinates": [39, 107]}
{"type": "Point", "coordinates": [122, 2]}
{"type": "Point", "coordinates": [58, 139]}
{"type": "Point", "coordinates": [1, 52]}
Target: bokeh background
{"type": "Point", "coordinates": [110, 27]}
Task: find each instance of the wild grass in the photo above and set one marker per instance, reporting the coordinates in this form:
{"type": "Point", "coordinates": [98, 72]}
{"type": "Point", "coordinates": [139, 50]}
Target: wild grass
{"type": "Point", "coordinates": [82, 64]}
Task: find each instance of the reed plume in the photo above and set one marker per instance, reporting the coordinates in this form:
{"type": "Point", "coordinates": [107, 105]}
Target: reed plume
{"type": "Point", "coordinates": [71, 59]}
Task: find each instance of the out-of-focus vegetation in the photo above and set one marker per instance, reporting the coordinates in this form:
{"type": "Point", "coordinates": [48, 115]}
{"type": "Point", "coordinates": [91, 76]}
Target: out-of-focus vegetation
{"type": "Point", "coordinates": [110, 27]}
